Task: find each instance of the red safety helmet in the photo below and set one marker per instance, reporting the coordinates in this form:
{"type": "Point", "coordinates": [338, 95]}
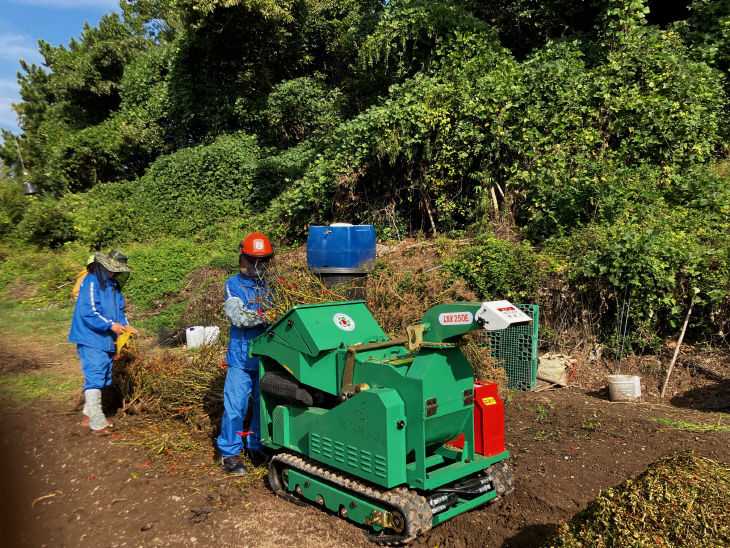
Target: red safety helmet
{"type": "Point", "coordinates": [256, 246]}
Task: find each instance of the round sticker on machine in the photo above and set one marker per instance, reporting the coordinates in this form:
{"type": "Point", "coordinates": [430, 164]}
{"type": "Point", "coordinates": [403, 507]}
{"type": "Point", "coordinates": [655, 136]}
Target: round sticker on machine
{"type": "Point", "coordinates": [344, 322]}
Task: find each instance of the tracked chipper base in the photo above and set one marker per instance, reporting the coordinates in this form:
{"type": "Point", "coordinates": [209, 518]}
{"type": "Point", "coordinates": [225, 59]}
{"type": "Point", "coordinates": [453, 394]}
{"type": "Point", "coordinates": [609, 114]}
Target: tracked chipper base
{"type": "Point", "coordinates": [402, 512]}
{"type": "Point", "coordinates": [363, 425]}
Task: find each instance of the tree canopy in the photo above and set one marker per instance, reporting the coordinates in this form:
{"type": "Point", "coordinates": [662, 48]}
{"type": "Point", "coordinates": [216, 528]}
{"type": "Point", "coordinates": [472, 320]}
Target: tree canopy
{"type": "Point", "coordinates": [596, 130]}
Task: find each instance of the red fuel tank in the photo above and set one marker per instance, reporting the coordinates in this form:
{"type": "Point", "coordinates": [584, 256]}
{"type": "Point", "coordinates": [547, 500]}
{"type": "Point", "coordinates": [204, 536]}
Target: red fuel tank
{"type": "Point", "coordinates": [488, 421]}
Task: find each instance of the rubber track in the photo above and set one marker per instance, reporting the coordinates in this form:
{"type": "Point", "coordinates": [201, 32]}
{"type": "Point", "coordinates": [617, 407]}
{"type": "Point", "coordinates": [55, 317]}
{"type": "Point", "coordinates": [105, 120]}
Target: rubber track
{"type": "Point", "coordinates": [413, 507]}
{"type": "Point", "coordinates": [501, 476]}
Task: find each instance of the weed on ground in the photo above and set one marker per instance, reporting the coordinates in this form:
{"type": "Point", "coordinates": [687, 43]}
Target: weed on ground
{"type": "Point", "coordinates": [719, 427]}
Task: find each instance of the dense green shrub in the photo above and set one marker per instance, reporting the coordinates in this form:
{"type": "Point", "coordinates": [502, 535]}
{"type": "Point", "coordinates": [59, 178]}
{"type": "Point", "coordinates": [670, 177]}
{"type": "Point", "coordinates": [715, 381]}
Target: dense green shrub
{"type": "Point", "coordinates": [12, 205]}
{"type": "Point", "coordinates": [180, 194]}
{"type": "Point", "coordinates": [116, 149]}
{"type": "Point", "coordinates": [659, 104]}
{"type": "Point", "coordinates": [408, 30]}
{"type": "Point", "coordinates": [660, 260]}
{"type": "Point", "coordinates": [46, 223]}
{"type": "Point", "coordinates": [40, 276]}
{"type": "Point", "coordinates": [223, 168]}
{"type": "Point", "coordinates": [708, 32]}
{"type": "Point", "coordinates": [595, 147]}
{"type": "Point", "coordinates": [558, 135]}
{"type": "Point", "coordinates": [105, 214]}
{"type": "Point", "coordinates": [416, 153]}
{"type": "Point", "coordinates": [295, 109]}
{"type": "Point", "coordinates": [160, 271]}
{"type": "Point", "coordinates": [143, 94]}
{"type": "Point", "coordinates": [593, 132]}
{"type": "Point", "coordinates": [497, 269]}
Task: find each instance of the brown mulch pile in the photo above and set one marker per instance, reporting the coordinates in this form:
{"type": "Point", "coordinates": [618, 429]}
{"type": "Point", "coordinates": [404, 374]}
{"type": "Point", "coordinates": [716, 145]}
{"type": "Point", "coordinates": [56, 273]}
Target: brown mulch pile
{"type": "Point", "coordinates": [681, 500]}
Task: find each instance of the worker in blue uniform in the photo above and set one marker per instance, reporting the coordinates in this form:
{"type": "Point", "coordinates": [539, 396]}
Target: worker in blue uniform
{"type": "Point", "coordinates": [245, 294]}
{"type": "Point", "coordinates": [97, 321]}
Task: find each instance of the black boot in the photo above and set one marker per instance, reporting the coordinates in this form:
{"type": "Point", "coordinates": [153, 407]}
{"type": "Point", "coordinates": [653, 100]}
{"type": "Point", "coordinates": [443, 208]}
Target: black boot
{"type": "Point", "coordinates": [233, 465]}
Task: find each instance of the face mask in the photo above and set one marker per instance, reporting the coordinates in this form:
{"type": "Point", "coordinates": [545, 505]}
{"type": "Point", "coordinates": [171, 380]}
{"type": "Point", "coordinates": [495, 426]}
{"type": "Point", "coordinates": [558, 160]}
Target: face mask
{"type": "Point", "coordinates": [252, 271]}
{"type": "Point", "coordinates": [121, 279]}
{"type": "Point", "coordinates": [255, 269]}
{"type": "Point", "coordinates": [105, 274]}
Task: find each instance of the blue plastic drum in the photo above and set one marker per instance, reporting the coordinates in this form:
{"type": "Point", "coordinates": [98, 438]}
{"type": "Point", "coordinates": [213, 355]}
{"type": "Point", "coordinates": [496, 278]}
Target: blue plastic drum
{"type": "Point", "coordinates": [341, 249]}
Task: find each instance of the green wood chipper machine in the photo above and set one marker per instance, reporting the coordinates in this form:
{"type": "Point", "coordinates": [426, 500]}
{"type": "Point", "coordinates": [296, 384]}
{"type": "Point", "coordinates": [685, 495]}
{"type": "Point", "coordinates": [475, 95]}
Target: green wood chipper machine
{"type": "Point", "coordinates": [391, 434]}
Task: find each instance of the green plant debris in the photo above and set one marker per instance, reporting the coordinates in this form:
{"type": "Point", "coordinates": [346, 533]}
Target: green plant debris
{"type": "Point", "coordinates": [543, 435]}
{"type": "Point", "coordinates": [718, 427]}
{"type": "Point", "coordinates": [590, 424]}
{"type": "Point", "coordinates": [541, 413]}
{"type": "Point", "coordinates": [681, 500]}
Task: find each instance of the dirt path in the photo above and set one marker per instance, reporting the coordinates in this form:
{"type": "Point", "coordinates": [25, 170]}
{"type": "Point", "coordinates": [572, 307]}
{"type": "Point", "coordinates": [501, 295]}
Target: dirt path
{"type": "Point", "coordinates": [64, 487]}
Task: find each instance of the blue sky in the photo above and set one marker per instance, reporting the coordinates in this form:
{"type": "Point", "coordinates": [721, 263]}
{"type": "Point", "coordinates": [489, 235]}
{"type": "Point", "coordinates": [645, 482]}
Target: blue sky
{"type": "Point", "coordinates": [23, 23]}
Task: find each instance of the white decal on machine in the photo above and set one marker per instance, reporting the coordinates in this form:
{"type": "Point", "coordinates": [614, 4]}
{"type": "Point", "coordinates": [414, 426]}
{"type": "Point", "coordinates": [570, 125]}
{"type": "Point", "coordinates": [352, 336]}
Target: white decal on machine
{"type": "Point", "coordinates": [456, 318]}
{"type": "Point", "coordinates": [344, 322]}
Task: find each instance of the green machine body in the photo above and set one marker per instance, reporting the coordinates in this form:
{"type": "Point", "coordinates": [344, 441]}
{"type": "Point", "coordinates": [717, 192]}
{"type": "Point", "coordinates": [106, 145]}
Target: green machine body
{"type": "Point", "coordinates": [367, 420]}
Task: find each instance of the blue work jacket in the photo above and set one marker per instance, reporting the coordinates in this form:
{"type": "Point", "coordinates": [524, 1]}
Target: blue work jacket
{"type": "Point", "coordinates": [251, 324]}
{"type": "Point", "coordinates": [96, 310]}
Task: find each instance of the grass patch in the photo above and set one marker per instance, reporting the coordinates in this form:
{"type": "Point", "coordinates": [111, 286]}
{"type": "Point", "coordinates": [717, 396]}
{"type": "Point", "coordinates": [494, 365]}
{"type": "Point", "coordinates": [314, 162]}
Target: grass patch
{"type": "Point", "coordinates": [40, 277]}
{"type": "Point", "coordinates": [167, 317]}
{"type": "Point", "coordinates": [718, 427]}
{"type": "Point", "coordinates": [37, 278]}
{"type": "Point", "coordinates": [24, 387]}
{"type": "Point", "coordinates": [35, 336]}
{"type": "Point", "coordinates": [47, 323]}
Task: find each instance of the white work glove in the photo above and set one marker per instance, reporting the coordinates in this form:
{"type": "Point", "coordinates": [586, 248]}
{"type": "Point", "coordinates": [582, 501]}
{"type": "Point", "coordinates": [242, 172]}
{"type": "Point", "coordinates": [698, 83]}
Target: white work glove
{"type": "Point", "coordinates": [240, 316]}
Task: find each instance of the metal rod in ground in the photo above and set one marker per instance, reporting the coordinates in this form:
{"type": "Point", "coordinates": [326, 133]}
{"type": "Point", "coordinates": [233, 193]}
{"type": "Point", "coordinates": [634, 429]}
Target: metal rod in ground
{"type": "Point", "coordinates": [623, 335]}
{"type": "Point", "coordinates": [623, 324]}
{"type": "Point", "coordinates": [676, 350]}
{"type": "Point", "coordinates": [619, 323]}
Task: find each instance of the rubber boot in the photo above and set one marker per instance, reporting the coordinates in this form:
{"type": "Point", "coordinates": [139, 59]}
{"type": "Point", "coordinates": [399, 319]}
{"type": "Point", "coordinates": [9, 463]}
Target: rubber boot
{"type": "Point", "coordinates": [85, 421]}
{"type": "Point", "coordinates": [92, 409]}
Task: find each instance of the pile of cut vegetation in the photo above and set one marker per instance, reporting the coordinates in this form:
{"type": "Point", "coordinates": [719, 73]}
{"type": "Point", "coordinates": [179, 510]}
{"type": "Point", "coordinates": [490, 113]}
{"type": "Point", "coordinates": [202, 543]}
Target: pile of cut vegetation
{"type": "Point", "coordinates": [183, 384]}
{"type": "Point", "coordinates": [681, 500]}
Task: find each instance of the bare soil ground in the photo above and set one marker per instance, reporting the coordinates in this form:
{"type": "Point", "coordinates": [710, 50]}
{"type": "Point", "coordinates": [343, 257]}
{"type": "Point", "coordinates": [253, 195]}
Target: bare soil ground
{"type": "Point", "coordinates": [65, 487]}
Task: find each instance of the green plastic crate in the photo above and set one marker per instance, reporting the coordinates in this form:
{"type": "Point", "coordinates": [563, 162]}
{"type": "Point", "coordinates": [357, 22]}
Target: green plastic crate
{"type": "Point", "coordinates": [515, 350]}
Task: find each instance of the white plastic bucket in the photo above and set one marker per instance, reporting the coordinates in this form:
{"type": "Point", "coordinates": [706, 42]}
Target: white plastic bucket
{"type": "Point", "coordinates": [194, 336]}
{"type": "Point", "coordinates": [211, 334]}
{"type": "Point", "coordinates": [624, 387]}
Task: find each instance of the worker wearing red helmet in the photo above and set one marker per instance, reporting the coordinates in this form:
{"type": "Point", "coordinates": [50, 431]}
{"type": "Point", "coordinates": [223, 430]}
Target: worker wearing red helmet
{"type": "Point", "coordinates": [246, 292]}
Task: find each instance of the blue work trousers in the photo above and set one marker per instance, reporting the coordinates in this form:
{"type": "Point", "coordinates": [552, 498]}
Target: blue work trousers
{"type": "Point", "coordinates": [96, 365]}
{"type": "Point", "coordinates": [240, 385]}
